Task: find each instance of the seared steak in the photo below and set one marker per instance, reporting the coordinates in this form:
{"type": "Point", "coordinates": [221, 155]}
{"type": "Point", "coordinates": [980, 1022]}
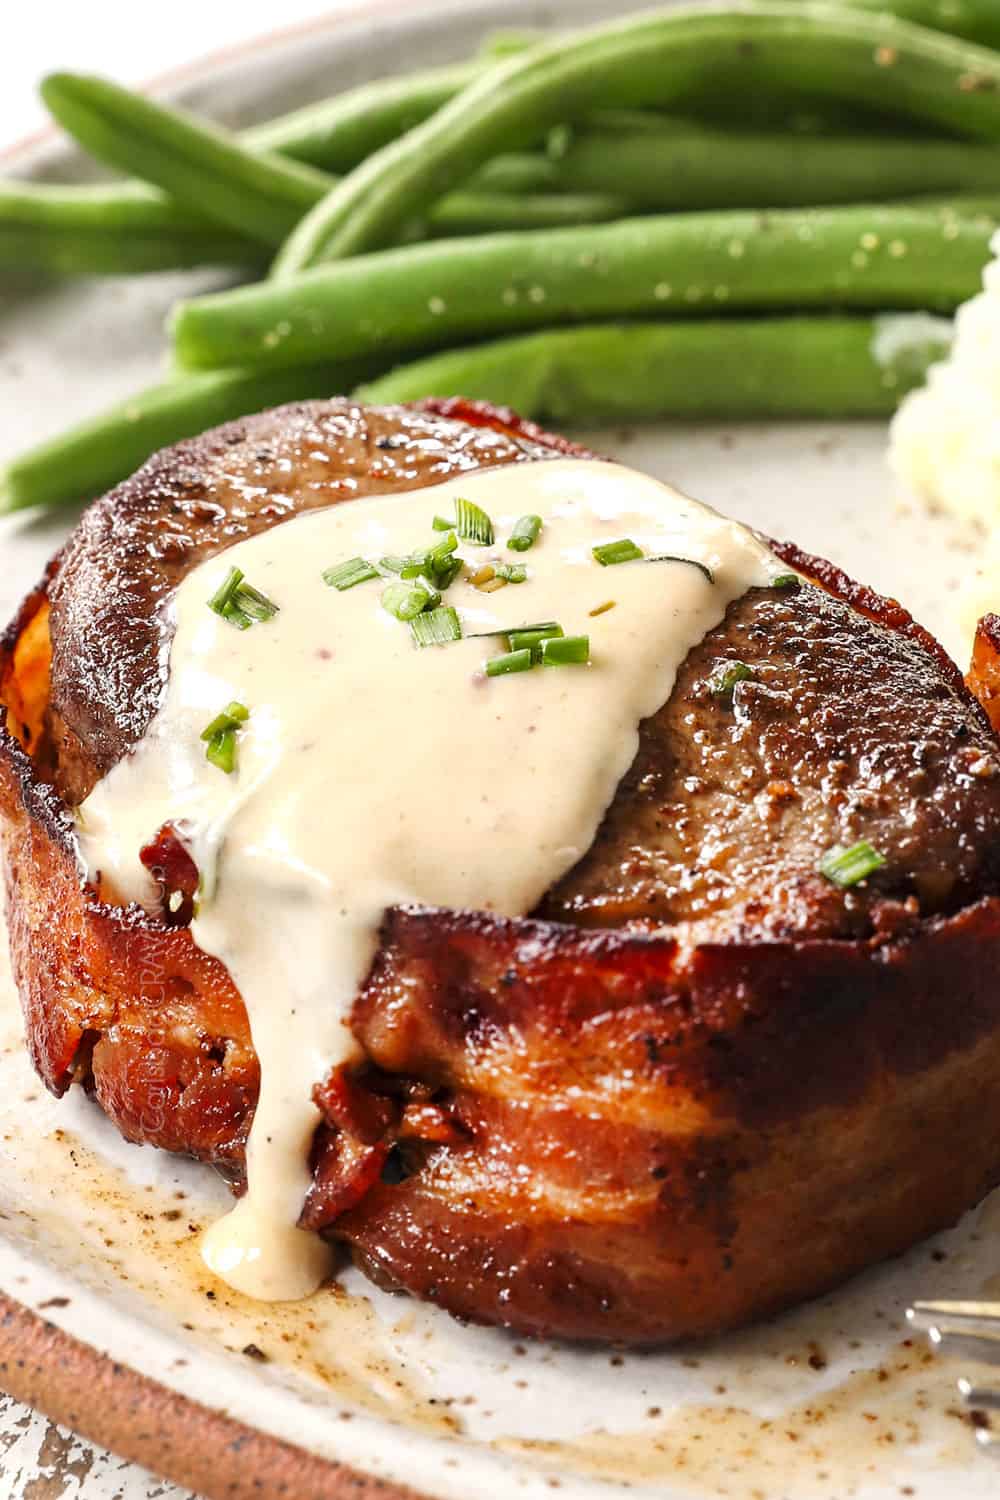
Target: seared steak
{"type": "Point", "coordinates": [739, 1089]}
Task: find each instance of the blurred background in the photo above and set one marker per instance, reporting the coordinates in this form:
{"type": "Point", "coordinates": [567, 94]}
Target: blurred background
{"type": "Point", "coordinates": [131, 43]}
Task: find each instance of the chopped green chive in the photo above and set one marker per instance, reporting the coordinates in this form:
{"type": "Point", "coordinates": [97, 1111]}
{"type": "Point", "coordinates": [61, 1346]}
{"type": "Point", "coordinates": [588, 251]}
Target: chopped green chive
{"type": "Point", "coordinates": [437, 627]}
{"type": "Point", "coordinates": [436, 562]}
{"type": "Point", "coordinates": [566, 651]}
{"type": "Point", "coordinates": [525, 533]}
{"type": "Point", "coordinates": [692, 562]}
{"type": "Point", "coordinates": [446, 576]}
{"type": "Point", "coordinates": [847, 867]}
{"type": "Point", "coordinates": [511, 661]}
{"type": "Point", "coordinates": [610, 553]}
{"type": "Point", "coordinates": [231, 717]}
{"type": "Point", "coordinates": [472, 523]}
{"type": "Point", "coordinates": [433, 595]}
{"type": "Point", "coordinates": [530, 637]}
{"type": "Point", "coordinates": [240, 603]}
{"type": "Point", "coordinates": [221, 751]}
{"type": "Point", "coordinates": [410, 566]}
{"type": "Point", "coordinates": [405, 600]}
{"type": "Point", "coordinates": [511, 572]}
{"type": "Point", "coordinates": [786, 581]}
{"type": "Point", "coordinates": [220, 734]}
{"type": "Point", "coordinates": [725, 677]}
{"type": "Point", "coordinates": [223, 595]}
{"type": "Point", "coordinates": [257, 605]}
{"type": "Point", "coordinates": [346, 574]}
{"type": "Point", "coordinates": [441, 564]}
{"type": "Point", "coordinates": [547, 627]}
{"type": "Point", "coordinates": [440, 523]}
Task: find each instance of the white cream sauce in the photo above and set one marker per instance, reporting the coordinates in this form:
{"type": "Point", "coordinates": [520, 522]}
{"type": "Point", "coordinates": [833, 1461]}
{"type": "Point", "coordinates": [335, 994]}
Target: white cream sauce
{"type": "Point", "coordinates": [372, 773]}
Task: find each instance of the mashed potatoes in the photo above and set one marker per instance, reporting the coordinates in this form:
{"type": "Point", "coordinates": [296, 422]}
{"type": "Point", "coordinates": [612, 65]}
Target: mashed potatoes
{"type": "Point", "coordinates": [945, 438]}
{"type": "Point", "coordinates": [945, 441]}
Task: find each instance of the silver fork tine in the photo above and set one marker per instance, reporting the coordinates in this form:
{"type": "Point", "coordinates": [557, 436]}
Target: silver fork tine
{"type": "Point", "coordinates": [984, 1314]}
{"type": "Point", "coordinates": [970, 1329]}
{"type": "Point", "coordinates": [979, 1396]}
{"type": "Point", "coordinates": [980, 1347]}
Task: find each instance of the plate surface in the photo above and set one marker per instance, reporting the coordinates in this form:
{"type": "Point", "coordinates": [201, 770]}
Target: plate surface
{"type": "Point", "coordinates": [831, 1400]}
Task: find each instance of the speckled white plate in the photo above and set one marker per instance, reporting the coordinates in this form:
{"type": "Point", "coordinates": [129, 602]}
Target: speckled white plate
{"type": "Point", "coordinates": [829, 1401]}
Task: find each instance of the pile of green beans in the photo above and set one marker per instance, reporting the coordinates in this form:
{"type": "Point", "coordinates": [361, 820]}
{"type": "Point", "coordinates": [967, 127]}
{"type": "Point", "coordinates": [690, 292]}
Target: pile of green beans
{"type": "Point", "coordinates": [578, 226]}
{"type": "Point", "coordinates": [655, 59]}
{"type": "Point", "coordinates": [600, 174]}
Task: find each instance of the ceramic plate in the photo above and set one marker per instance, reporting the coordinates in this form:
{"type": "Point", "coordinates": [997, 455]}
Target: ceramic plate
{"type": "Point", "coordinates": [830, 1400]}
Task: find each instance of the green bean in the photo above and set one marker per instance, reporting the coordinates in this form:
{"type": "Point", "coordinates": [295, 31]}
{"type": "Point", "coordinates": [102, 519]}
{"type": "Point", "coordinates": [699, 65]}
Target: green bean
{"type": "Point", "coordinates": [89, 458]}
{"type": "Point", "coordinates": [487, 213]}
{"type": "Point", "coordinates": [430, 296]}
{"type": "Point", "coordinates": [652, 59]}
{"type": "Point", "coordinates": [338, 133]}
{"type": "Point", "coordinates": [975, 20]}
{"type": "Point", "coordinates": [723, 369]}
{"type": "Point", "coordinates": [676, 164]}
{"type": "Point", "coordinates": [109, 229]}
{"type": "Point", "coordinates": [506, 40]}
{"type": "Point", "coordinates": [203, 166]}
{"type": "Point", "coordinates": [517, 172]}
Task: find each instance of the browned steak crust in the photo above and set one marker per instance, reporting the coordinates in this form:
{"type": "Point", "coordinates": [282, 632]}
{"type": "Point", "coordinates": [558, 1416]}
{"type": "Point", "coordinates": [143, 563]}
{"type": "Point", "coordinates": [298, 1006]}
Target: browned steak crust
{"type": "Point", "coordinates": [131, 549]}
{"type": "Point", "coordinates": [702, 1081]}
{"type": "Point", "coordinates": [846, 731]}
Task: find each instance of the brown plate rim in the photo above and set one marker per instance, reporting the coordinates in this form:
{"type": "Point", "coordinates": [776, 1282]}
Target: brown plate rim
{"type": "Point", "coordinates": [145, 1422]}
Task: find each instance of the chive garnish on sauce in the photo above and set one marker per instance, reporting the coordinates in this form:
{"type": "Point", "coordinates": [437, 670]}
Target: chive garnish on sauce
{"type": "Point", "coordinates": [346, 574]}
{"type": "Point", "coordinates": [510, 661]}
{"type": "Point", "coordinates": [435, 561]}
{"type": "Point", "coordinates": [441, 523]}
{"type": "Point", "coordinates": [530, 637]}
{"type": "Point", "coordinates": [847, 867]}
{"type": "Point", "coordinates": [472, 523]}
{"type": "Point", "coordinates": [437, 627]}
{"type": "Point", "coordinates": [547, 627]}
{"type": "Point", "coordinates": [692, 562]}
{"type": "Point", "coordinates": [525, 533]}
{"type": "Point", "coordinates": [221, 751]}
{"type": "Point", "coordinates": [406, 600]}
{"type": "Point", "coordinates": [566, 651]}
{"type": "Point", "coordinates": [511, 572]}
{"type": "Point", "coordinates": [240, 603]}
{"type": "Point", "coordinates": [725, 677]}
{"type": "Point", "coordinates": [610, 553]}
{"type": "Point", "coordinates": [220, 736]}
{"type": "Point", "coordinates": [786, 581]}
